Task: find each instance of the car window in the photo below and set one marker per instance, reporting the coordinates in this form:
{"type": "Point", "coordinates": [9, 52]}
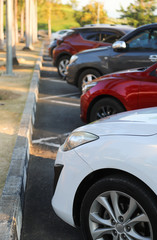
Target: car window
{"type": "Point", "coordinates": [104, 36]}
{"type": "Point", "coordinates": [109, 37]}
{"type": "Point", "coordinates": [154, 73]}
{"type": "Point", "coordinates": [62, 32]}
{"type": "Point", "coordinates": [93, 36]}
{"type": "Point", "coordinates": [146, 40]}
{"type": "Point", "coordinates": [153, 39]}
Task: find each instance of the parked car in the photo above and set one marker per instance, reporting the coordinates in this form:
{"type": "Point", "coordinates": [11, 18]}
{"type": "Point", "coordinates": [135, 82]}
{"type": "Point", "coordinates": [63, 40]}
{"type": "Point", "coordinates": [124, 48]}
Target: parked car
{"type": "Point", "coordinates": [56, 36]}
{"type": "Point", "coordinates": [59, 34]}
{"type": "Point", "coordinates": [136, 49]}
{"type": "Point", "coordinates": [51, 46]}
{"type": "Point", "coordinates": [118, 92]}
{"type": "Point", "coordinates": [105, 177]}
{"type": "Point", "coordinates": [85, 38]}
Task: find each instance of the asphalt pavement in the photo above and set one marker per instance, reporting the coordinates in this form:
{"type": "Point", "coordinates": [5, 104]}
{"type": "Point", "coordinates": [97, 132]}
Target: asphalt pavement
{"type": "Point", "coordinates": [56, 116]}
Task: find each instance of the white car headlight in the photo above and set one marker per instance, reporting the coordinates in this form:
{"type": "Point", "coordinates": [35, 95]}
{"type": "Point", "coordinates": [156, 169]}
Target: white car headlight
{"type": "Point", "coordinates": [87, 86]}
{"type": "Point", "coordinates": [76, 139]}
{"type": "Point", "coordinates": [73, 59]}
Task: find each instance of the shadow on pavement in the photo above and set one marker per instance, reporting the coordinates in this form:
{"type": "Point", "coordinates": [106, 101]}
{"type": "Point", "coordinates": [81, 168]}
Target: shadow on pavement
{"type": "Point", "coordinates": [40, 222]}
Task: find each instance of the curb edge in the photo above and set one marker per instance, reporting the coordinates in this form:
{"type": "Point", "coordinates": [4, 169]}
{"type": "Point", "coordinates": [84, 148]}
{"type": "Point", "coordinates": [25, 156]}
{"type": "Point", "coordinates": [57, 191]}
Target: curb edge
{"type": "Point", "coordinates": [12, 198]}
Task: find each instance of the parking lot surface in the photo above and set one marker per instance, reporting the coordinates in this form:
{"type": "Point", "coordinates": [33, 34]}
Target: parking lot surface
{"type": "Point", "coordinates": [57, 115]}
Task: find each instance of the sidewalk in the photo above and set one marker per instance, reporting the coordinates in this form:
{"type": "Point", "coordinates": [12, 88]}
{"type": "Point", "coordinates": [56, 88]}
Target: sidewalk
{"type": "Point", "coordinates": [18, 94]}
{"type": "Point", "coordinates": [13, 95]}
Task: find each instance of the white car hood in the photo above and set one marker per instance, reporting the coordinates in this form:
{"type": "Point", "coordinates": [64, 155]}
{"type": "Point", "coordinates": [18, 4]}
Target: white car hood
{"type": "Point", "coordinates": [140, 122]}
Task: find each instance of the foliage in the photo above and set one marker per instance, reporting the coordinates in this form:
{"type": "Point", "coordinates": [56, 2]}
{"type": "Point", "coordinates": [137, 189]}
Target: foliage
{"type": "Point", "coordinates": [140, 13]}
{"type": "Point", "coordinates": [90, 13]}
{"type": "Point", "coordinates": [74, 3]}
{"type": "Point", "coordinates": [62, 16]}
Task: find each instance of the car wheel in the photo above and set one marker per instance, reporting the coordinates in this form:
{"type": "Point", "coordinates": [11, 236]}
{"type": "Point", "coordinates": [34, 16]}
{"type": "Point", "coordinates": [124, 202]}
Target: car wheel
{"type": "Point", "coordinates": [87, 76]}
{"type": "Point", "coordinates": [62, 64]}
{"type": "Point", "coordinates": [119, 208]}
{"type": "Point", "coordinates": [105, 107]}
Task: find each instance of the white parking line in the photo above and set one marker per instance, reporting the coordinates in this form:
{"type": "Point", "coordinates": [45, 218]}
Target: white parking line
{"type": "Point", "coordinates": [45, 141]}
{"type": "Point", "coordinates": [58, 96]}
{"type": "Point", "coordinates": [66, 103]}
{"type": "Point", "coordinates": [53, 80]}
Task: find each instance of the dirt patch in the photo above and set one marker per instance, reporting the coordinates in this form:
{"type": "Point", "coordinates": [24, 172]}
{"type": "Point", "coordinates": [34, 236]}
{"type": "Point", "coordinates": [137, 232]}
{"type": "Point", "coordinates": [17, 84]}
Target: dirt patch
{"type": "Point", "coordinates": [4, 95]}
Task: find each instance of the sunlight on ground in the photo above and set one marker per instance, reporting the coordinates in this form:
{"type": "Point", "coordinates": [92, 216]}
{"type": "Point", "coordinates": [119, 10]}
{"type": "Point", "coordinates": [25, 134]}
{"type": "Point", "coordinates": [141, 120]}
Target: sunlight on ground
{"type": "Point", "coordinates": [40, 151]}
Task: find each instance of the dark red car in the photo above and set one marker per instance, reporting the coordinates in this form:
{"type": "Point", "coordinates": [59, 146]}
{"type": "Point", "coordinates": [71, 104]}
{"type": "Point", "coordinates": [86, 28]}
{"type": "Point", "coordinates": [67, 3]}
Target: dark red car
{"type": "Point", "coordinates": [85, 38]}
{"type": "Point", "coordinates": [120, 91]}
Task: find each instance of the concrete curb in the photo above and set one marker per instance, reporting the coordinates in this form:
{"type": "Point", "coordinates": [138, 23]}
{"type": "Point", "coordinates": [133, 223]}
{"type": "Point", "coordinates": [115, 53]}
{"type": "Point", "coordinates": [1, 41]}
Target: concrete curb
{"type": "Point", "coordinates": [12, 199]}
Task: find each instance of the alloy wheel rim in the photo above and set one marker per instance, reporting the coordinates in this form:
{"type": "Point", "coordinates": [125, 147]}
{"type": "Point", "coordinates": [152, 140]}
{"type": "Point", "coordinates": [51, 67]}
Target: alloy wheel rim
{"type": "Point", "coordinates": [62, 66]}
{"type": "Point", "coordinates": [105, 111]}
{"type": "Point", "coordinates": [115, 215]}
{"type": "Point", "coordinates": [88, 78]}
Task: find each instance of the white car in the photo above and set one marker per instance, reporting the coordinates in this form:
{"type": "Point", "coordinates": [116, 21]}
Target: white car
{"type": "Point", "coordinates": [60, 34]}
{"type": "Point", "coordinates": [106, 177]}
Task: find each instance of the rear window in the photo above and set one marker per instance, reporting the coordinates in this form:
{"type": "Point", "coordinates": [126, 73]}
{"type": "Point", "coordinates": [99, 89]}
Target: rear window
{"type": "Point", "coordinates": [103, 36]}
{"type": "Point", "coordinates": [93, 36]}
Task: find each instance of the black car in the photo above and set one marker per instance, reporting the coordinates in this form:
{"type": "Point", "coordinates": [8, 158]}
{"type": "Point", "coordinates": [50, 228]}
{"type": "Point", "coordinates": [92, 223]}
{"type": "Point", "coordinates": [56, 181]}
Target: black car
{"type": "Point", "coordinates": [136, 49]}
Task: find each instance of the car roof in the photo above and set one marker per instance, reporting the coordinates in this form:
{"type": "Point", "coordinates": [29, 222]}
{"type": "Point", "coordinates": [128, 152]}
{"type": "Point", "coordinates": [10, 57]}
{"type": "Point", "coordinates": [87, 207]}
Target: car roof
{"type": "Point", "coordinates": [97, 27]}
{"type": "Point", "coordinates": [143, 27]}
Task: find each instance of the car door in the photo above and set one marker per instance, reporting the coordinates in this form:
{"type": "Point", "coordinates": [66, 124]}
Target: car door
{"type": "Point", "coordinates": [87, 40]}
{"type": "Point", "coordinates": [148, 91]}
{"type": "Point", "coordinates": [141, 50]}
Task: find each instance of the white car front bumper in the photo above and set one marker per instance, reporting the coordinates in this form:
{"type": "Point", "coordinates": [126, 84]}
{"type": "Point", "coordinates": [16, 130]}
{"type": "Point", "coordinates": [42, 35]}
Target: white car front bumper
{"type": "Point", "coordinates": [74, 170]}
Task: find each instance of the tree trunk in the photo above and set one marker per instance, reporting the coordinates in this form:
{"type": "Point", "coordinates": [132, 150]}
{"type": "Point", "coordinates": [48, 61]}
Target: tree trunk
{"type": "Point", "coordinates": [1, 27]}
{"type": "Point", "coordinates": [22, 25]}
{"type": "Point", "coordinates": [9, 14]}
{"type": "Point", "coordinates": [14, 33]}
{"type": "Point", "coordinates": [28, 25]}
{"type": "Point", "coordinates": [35, 25]}
{"type": "Point", "coordinates": [16, 24]}
{"type": "Point", "coordinates": [49, 22]}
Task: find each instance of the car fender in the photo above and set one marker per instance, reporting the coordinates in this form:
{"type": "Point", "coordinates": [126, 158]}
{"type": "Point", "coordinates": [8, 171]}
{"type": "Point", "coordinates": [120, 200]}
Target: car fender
{"type": "Point", "coordinates": [118, 89]}
{"type": "Point", "coordinates": [116, 156]}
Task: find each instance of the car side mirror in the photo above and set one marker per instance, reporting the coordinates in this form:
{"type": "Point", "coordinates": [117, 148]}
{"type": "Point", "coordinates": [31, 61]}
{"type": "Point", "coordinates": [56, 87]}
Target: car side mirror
{"type": "Point", "coordinates": [118, 45]}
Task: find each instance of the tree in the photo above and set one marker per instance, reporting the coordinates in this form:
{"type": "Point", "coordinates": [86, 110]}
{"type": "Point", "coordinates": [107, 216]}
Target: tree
{"type": "Point", "coordinates": [14, 33]}
{"type": "Point", "coordinates": [91, 14]}
{"type": "Point", "coordinates": [49, 9]}
{"type": "Point", "coordinates": [9, 18]}
{"type": "Point", "coordinates": [1, 26]}
{"type": "Point", "coordinates": [22, 16]}
{"type": "Point", "coordinates": [35, 20]}
{"type": "Point", "coordinates": [140, 13]}
{"type": "Point", "coordinates": [29, 13]}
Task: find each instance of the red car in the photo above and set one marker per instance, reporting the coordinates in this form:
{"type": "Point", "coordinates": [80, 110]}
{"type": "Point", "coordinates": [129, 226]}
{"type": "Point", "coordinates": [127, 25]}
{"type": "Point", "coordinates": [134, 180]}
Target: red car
{"type": "Point", "coordinates": [85, 38]}
{"type": "Point", "coordinates": [118, 92]}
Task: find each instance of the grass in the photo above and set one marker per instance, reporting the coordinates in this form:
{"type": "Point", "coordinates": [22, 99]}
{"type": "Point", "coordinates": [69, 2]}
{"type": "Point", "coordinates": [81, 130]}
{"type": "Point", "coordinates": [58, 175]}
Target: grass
{"type": "Point", "coordinates": [62, 18]}
{"type": "Point", "coordinates": [13, 95]}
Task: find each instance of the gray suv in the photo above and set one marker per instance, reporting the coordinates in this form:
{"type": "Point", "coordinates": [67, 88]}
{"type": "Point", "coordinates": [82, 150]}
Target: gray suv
{"type": "Point", "coordinates": [136, 49]}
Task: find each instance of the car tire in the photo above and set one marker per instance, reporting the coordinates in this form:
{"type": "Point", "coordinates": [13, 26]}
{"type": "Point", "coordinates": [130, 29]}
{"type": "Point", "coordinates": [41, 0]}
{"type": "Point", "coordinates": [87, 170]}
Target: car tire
{"type": "Point", "coordinates": [87, 76]}
{"type": "Point", "coordinates": [119, 207]}
{"type": "Point", "coordinates": [62, 64]}
{"type": "Point", "coordinates": [105, 107]}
